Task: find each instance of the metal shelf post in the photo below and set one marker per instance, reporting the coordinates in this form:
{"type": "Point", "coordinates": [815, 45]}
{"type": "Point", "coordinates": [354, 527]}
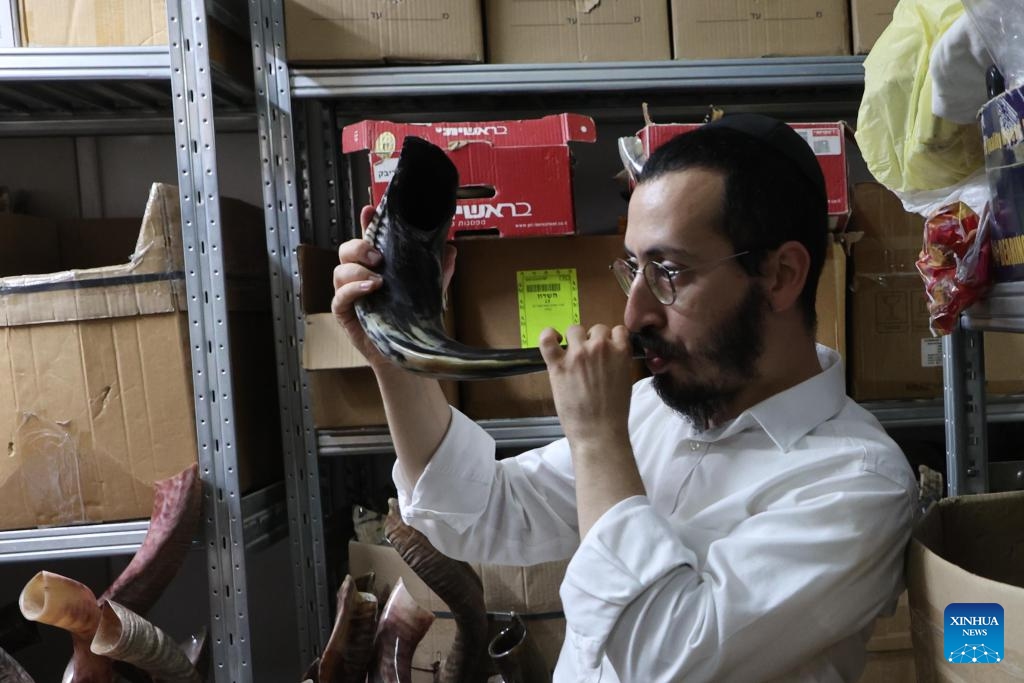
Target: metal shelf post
{"type": "Point", "coordinates": [280, 194]}
{"type": "Point", "coordinates": [963, 371]}
{"type": "Point", "coordinates": [192, 96]}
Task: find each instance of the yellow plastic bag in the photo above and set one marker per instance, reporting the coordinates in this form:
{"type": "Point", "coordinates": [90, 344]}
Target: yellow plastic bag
{"type": "Point", "coordinates": [906, 147]}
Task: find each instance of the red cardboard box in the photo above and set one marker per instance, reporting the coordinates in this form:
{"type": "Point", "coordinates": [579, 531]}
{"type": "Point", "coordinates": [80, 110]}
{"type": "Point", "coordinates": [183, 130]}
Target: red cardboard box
{"type": "Point", "coordinates": [828, 140]}
{"type": "Point", "coordinates": [525, 163]}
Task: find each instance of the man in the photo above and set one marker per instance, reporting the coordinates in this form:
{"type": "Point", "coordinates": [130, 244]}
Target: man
{"type": "Point", "coordinates": [734, 517]}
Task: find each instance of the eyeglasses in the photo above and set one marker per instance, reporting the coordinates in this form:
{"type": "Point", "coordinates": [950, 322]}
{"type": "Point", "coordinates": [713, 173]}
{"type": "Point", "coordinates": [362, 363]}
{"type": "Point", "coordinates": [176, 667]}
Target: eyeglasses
{"type": "Point", "coordinates": [660, 279]}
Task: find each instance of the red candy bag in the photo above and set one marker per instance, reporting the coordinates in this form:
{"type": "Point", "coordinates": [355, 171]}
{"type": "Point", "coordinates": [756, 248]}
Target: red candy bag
{"type": "Point", "coordinates": [954, 263]}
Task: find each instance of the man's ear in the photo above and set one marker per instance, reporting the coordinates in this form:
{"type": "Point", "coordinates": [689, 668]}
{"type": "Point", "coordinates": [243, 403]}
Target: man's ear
{"type": "Point", "coordinates": [786, 274]}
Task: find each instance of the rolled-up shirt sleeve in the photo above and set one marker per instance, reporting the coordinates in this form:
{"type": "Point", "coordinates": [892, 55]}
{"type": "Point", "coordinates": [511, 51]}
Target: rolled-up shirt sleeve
{"type": "Point", "coordinates": [780, 587]}
{"type": "Point", "coordinates": [517, 511]}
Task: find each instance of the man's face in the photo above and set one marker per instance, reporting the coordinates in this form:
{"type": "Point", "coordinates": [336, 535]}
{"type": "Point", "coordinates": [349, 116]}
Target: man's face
{"type": "Point", "coordinates": [702, 349]}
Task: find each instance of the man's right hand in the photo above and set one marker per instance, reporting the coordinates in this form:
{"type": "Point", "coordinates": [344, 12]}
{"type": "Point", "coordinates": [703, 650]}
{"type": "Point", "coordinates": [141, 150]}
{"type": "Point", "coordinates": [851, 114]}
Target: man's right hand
{"type": "Point", "coordinates": [354, 278]}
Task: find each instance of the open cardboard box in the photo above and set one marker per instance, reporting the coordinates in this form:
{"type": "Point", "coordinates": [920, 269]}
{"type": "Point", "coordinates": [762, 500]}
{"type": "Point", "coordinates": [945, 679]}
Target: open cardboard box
{"type": "Point", "coordinates": [967, 549]}
{"type": "Point", "coordinates": [96, 399]}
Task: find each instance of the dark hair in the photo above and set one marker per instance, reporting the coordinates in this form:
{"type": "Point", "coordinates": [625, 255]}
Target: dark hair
{"type": "Point", "coordinates": [767, 199]}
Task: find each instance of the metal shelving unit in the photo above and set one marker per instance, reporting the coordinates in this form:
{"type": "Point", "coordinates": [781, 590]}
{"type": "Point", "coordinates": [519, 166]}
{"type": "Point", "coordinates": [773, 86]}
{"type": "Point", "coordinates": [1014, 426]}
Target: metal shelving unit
{"type": "Point", "coordinates": [76, 91]}
{"type": "Point", "coordinates": [298, 112]}
{"type": "Point", "coordinates": [968, 410]}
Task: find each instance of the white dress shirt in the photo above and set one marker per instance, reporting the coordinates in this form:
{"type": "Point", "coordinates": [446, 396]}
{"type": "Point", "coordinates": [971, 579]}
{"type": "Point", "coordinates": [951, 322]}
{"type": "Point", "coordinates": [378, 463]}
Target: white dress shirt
{"type": "Point", "coordinates": [763, 549]}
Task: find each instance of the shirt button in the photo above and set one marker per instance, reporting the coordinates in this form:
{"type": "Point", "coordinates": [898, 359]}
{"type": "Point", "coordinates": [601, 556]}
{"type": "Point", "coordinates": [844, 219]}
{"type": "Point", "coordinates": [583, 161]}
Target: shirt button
{"type": "Point", "coordinates": [695, 446]}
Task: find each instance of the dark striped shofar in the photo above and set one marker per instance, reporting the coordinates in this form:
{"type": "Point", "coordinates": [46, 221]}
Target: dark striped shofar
{"type": "Point", "coordinates": [11, 671]}
{"type": "Point", "coordinates": [403, 317]}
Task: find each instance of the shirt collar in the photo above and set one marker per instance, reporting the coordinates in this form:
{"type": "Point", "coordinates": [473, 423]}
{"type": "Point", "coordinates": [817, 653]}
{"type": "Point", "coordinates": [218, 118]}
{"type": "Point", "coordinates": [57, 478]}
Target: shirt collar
{"type": "Point", "coordinates": [789, 415]}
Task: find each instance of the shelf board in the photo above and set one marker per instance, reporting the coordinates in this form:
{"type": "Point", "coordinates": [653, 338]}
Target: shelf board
{"type": "Point", "coordinates": [511, 79]}
{"type": "Point", "coordinates": [265, 522]}
{"type": "Point", "coordinates": [107, 86]}
{"type": "Point", "coordinates": [532, 432]}
{"type": "Point", "coordinates": [1002, 310]}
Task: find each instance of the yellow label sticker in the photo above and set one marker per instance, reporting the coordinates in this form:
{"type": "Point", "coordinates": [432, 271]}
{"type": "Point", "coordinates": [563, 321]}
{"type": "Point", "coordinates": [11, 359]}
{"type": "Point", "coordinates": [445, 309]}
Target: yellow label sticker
{"type": "Point", "coordinates": [547, 298]}
{"type": "Point", "coordinates": [385, 144]}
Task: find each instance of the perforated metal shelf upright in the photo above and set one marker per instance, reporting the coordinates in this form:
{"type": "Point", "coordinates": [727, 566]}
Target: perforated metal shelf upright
{"type": "Point", "coordinates": [88, 91]}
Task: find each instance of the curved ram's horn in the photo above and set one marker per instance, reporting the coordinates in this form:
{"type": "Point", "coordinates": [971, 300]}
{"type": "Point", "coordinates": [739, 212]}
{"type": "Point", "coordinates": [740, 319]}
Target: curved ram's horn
{"type": "Point", "coordinates": [67, 604]}
{"type": "Point", "coordinates": [457, 585]}
{"type": "Point", "coordinates": [11, 671]}
{"type": "Point", "coordinates": [402, 626]}
{"type": "Point", "coordinates": [346, 659]}
{"type": "Point", "coordinates": [177, 503]}
{"type": "Point", "coordinates": [127, 637]}
{"type": "Point", "coordinates": [404, 317]}
{"type": "Point", "coordinates": [516, 656]}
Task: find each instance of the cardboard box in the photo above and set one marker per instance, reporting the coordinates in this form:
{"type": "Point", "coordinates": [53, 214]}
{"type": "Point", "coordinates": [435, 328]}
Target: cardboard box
{"type": "Point", "coordinates": [384, 31]}
{"type": "Point", "coordinates": [10, 28]}
{"type": "Point", "coordinates": [526, 164]}
{"type": "Point", "coordinates": [96, 396]}
{"type": "Point", "coordinates": [531, 592]}
{"type": "Point", "coordinates": [890, 654]}
{"type": "Point", "coordinates": [488, 313]}
{"type": "Point", "coordinates": [342, 388]}
{"type": "Point", "coordinates": [828, 140]}
{"type": "Point", "coordinates": [115, 23]}
{"type": "Point", "coordinates": [830, 302]}
{"type": "Point", "coordinates": [869, 19]}
{"type": "Point", "coordinates": [1002, 123]}
{"type": "Point", "coordinates": [967, 549]}
{"type": "Point", "coordinates": [570, 31]}
{"type": "Point", "coordinates": [712, 29]}
{"type": "Point", "coordinates": [893, 354]}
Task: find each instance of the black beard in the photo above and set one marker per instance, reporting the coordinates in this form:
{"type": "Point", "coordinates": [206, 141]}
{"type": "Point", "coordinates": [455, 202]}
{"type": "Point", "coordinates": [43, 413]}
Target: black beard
{"type": "Point", "coordinates": [733, 349]}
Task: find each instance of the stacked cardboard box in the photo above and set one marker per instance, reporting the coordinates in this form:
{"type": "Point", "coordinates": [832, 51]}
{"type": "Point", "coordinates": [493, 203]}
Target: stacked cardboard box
{"type": "Point", "coordinates": [893, 354]}
{"type": "Point", "coordinates": [96, 398]}
{"type": "Point", "coordinates": [571, 31]}
{"type": "Point", "coordinates": [370, 31]}
{"type": "Point", "coordinates": [114, 23]}
{"type": "Point", "coordinates": [890, 650]}
{"type": "Point", "coordinates": [869, 19]}
{"type": "Point", "coordinates": [711, 29]}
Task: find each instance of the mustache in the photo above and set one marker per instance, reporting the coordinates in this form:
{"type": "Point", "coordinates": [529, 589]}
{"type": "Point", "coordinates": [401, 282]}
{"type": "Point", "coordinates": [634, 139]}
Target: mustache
{"type": "Point", "coordinates": [652, 342]}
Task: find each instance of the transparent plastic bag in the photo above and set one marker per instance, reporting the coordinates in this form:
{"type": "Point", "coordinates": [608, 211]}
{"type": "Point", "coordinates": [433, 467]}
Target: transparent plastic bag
{"type": "Point", "coordinates": [954, 264]}
{"type": "Point", "coordinates": [1001, 25]}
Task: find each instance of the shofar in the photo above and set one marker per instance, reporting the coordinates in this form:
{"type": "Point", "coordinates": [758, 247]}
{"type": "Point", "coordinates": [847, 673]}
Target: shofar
{"type": "Point", "coordinates": [125, 636]}
{"type": "Point", "coordinates": [457, 585]}
{"type": "Point", "coordinates": [404, 317]}
{"type": "Point", "coordinates": [11, 671]}
{"type": "Point", "coordinates": [402, 626]}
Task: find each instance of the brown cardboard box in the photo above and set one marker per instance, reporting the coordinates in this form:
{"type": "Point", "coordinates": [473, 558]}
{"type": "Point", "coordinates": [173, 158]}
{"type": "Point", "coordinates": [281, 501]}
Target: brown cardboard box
{"type": "Point", "coordinates": [830, 302]}
{"type": "Point", "coordinates": [716, 29]}
{"type": "Point", "coordinates": [893, 354]}
{"type": "Point", "coordinates": [890, 655]}
{"type": "Point", "coordinates": [114, 23]}
{"type": "Point", "coordinates": [342, 388]}
{"type": "Point", "coordinates": [571, 31]}
{"type": "Point", "coordinates": [96, 396]}
{"type": "Point", "coordinates": [869, 19]}
{"type": "Point", "coordinates": [529, 591]}
{"type": "Point", "coordinates": [967, 549]}
{"type": "Point", "coordinates": [487, 312]}
{"type": "Point", "coordinates": [384, 31]}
